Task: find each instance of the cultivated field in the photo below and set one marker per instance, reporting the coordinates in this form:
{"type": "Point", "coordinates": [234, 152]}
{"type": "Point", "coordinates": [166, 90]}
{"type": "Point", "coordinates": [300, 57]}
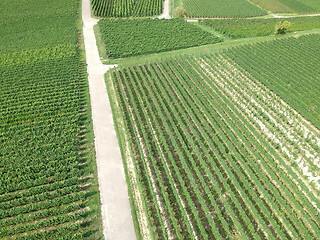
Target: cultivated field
{"type": "Point", "coordinates": [290, 68]}
{"type": "Point", "coordinates": [125, 38]}
{"type": "Point", "coordinates": [214, 8]}
{"type": "Point", "coordinates": [216, 153]}
{"type": "Point", "coordinates": [218, 120]}
{"type": "Point", "coordinates": [126, 8]}
{"type": "Point", "coordinates": [289, 6]}
{"type": "Point", "coordinates": [46, 182]}
{"type": "Point", "coordinates": [242, 28]}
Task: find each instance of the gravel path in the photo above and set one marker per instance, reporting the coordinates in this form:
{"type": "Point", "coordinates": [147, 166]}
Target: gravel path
{"type": "Point", "coordinates": [115, 207]}
{"type": "Point", "coordinates": [166, 13]}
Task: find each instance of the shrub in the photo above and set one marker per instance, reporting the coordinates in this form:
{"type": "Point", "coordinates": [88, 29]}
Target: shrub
{"type": "Point", "coordinates": [282, 27]}
{"type": "Point", "coordinates": [180, 12]}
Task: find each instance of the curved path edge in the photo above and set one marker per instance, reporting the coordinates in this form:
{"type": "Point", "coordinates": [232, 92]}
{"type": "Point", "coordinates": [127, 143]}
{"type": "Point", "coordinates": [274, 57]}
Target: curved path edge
{"type": "Point", "coordinates": [115, 207]}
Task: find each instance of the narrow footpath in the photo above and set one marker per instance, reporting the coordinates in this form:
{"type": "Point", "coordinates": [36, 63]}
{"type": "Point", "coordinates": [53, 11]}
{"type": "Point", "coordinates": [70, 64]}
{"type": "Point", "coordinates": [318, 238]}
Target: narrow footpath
{"type": "Point", "coordinates": [115, 207]}
{"type": "Point", "coordinates": [166, 11]}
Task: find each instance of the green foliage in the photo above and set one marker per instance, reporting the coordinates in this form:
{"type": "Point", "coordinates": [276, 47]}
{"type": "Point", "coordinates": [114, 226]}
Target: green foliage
{"type": "Point", "coordinates": [290, 68]}
{"type": "Point", "coordinates": [282, 27]}
{"type": "Point", "coordinates": [197, 146]}
{"type": "Point", "coordinates": [125, 37]}
{"type": "Point", "coordinates": [289, 6]}
{"type": "Point", "coordinates": [43, 85]}
{"type": "Point", "coordinates": [275, 6]}
{"type": "Point", "coordinates": [180, 12]}
{"type": "Point", "coordinates": [314, 4]}
{"type": "Point", "coordinates": [36, 24]}
{"type": "Point", "coordinates": [215, 8]}
{"type": "Point", "coordinates": [127, 8]}
{"type": "Point", "coordinates": [300, 6]}
{"type": "Point", "coordinates": [241, 28]}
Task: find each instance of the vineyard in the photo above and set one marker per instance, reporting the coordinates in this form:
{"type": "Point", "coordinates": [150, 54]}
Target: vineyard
{"type": "Point", "coordinates": [241, 28]}
{"type": "Point", "coordinates": [125, 37]}
{"type": "Point", "coordinates": [46, 187]}
{"type": "Point", "coordinates": [281, 66]}
{"type": "Point", "coordinates": [289, 6]}
{"type": "Point", "coordinates": [127, 8]}
{"type": "Point", "coordinates": [275, 6]}
{"type": "Point", "coordinates": [41, 25]}
{"type": "Point", "coordinates": [214, 8]}
{"type": "Point", "coordinates": [216, 152]}
{"type": "Point", "coordinates": [219, 130]}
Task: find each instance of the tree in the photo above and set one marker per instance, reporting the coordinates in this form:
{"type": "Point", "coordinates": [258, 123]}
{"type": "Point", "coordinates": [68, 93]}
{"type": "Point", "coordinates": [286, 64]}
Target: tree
{"type": "Point", "coordinates": [282, 27]}
{"type": "Point", "coordinates": [180, 12]}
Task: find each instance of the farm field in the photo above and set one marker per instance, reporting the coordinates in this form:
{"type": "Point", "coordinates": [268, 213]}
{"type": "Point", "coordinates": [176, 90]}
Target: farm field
{"type": "Point", "coordinates": [314, 4]}
{"type": "Point", "coordinates": [275, 6]}
{"type": "Point", "coordinates": [217, 154]}
{"type": "Point", "coordinates": [242, 28]}
{"type": "Point", "coordinates": [127, 8]}
{"type": "Point", "coordinates": [217, 119]}
{"type": "Point", "coordinates": [289, 6]}
{"type": "Point", "coordinates": [281, 66]}
{"type": "Point", "coordinates": [214, 8]}
{"type": "Point", "coordinates": [47, 179]}
{"type": "Point", "coordinates": [126, 37]}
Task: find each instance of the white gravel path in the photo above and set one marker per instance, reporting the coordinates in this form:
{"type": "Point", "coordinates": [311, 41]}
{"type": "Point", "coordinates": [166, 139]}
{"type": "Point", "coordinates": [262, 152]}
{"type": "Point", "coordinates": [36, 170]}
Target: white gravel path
{"type": "Point", "coordinates": [166, 13]}
{"type": "Point", "coordinates": [115, 207]}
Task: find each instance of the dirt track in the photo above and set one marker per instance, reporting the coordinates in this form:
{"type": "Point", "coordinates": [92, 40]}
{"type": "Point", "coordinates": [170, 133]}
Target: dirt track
{"type": "Point", "coordinates": [166, 13]}
{"type": "Point", "coordinates": [115, 207]}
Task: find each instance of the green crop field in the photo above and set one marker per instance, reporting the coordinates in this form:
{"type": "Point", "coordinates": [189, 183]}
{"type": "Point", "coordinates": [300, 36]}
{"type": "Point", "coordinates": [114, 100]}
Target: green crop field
{"type": "Point", "coordinates": [302, 6]}
{"type": "Point", "coordinates": [217, 154]}
{"type": "Point", "coordinates": [127, 8]}
{"type": "Point", "coordinates": [46, 190]}
{"type": "Point", "coordinates": [290, 68]}
{"type": "Point", "coordinates": [314, 4]}
{"type": "Point", "coordinates": [241, 28]}
{"type": "Point", "coordinates": [125, 38]}
{"type": "Point", "coordinates": [289, 6]}
{"type": "Point", "coordinates": [275, 6]}
{"type": "Point", "coordinates": [229, 8]}
{"type": "Point", "coordinates": [217, 119]}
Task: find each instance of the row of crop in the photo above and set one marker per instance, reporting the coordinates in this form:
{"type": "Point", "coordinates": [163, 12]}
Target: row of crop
{"type": "Point", "coordinates": [39, 197]}
{"type": "Point", "coordinates": [180, 177]}
{"type": "Point", "coordinates": [48, 222]}
{"type": "Point", "coordinates": [61, 170]}
{"type": "Point", "coordinates": [290, 81]}
{"type": "Point", "coordinates": [39, 137]}
{"type": "Point", "coordinates": [188, 172]}
{"type": "Point", "coordinates": [41, 215]}
{"type": "Point", "coordinates": [126, 8]}
{"type": "Point", "coordinates": [280, 178]}
{"type": "Point", "coordinates": [241, 28]}
{"type": "Point", "coordinates": [229, 8]}
{"type": "Point", "coordinates": [185, 191]}
{"type": "Point", "coordinates": [204, 164]}
{"type": "Point", "coordinates": [149, 177]}
{"type": "Point", "coordinates": [239, 135]}
{"type": "Point", "coordinates": [42, 93]}
{"type": "Point", "coordinates": [141, 167]}
{"type": "Point", "coordinates": [62, 231]}
{"type": "Point", "coordinates": [176, 112]}
{"type": "Point", "coordinates": [39, 189]}
{"type": "Point", "coordinates": [132, 37]}
{"type": "Point", "coordinates": [277, 119]}
{"type": "Point", "coordinates": [222, 135]}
